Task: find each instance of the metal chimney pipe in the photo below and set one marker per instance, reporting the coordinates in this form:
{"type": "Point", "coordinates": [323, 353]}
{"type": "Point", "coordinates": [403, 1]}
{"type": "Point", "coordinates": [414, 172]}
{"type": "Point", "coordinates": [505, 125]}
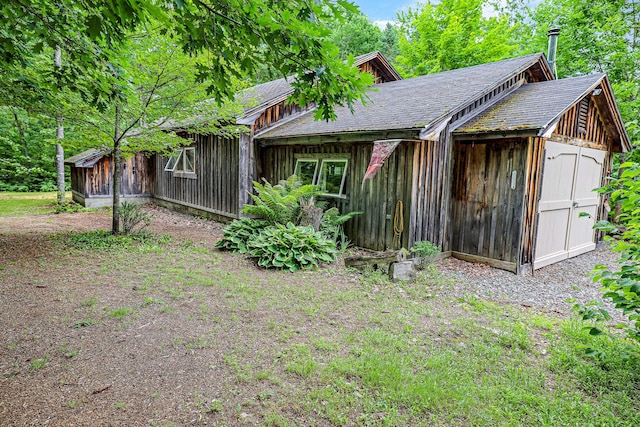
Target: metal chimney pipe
{"type": "Point", "coordinates": [553, 47]}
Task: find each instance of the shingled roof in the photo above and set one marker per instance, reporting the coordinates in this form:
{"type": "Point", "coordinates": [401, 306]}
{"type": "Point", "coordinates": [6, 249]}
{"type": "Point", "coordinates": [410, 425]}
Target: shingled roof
{"type": "Point", "coordinates": [261, 96]}
{"type": "Point", "coordinates": [533, 107]}
{"type": "Point", "coordinates": [410, 104]}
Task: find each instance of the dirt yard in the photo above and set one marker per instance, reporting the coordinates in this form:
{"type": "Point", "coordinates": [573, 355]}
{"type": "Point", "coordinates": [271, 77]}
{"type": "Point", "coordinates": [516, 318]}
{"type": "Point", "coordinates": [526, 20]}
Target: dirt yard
{"type": "Point", "coordinates": [179, 333]}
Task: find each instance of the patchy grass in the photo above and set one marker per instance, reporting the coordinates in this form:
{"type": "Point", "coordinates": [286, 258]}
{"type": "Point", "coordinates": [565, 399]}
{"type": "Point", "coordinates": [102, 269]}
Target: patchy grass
{"type": "Point", "coordinates": [18, 204]}
{"type": "Point", "coordinates": [219, 342]}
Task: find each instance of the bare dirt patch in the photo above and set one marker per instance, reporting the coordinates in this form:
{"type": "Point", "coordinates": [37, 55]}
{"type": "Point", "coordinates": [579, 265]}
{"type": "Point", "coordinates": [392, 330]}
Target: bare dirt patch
{"type": "Point", "coordinates": [181, 334]}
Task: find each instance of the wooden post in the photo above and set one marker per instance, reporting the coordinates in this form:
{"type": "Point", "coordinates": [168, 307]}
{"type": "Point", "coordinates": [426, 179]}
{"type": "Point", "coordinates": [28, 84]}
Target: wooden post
{"type": "Point", "coordinates": [244, 173]}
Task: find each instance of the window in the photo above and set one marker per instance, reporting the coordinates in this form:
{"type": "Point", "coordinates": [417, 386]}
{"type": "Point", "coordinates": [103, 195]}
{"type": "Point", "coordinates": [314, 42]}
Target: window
{"type": "Point", "coordinates": [189, 160]}
{"type": "Point", "coordinates": [306, 170]}
{"type": "Point", "coordinates": [182, 160]}
{"type": "Point", "coordinates": [173, 161]}
{"type": "Point", "coordinates": [331, 177]}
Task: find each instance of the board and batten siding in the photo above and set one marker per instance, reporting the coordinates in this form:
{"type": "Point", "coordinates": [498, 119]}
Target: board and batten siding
{"type": "Point", "coordinates": [214, 186]}
{"type": "Point", "coordinates": [488, 199]}
{"type": "Point", "coordinates": [377, 198]}
{"type": "Point", "coordinates": [431, 192]}
{"type": "Point", "coordinates": [136, 178]}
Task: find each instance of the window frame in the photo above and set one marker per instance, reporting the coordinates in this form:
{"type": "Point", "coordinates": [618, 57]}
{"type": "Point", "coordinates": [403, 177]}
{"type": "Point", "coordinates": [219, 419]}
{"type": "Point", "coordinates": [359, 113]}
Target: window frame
{"type": "Point", "coordinates": [342, 180]}
{"type": "Point", "coordinates": [185, 156]}
{"type": "Point", "coordinates": [315, 170]}
{"type": "Point", "coordinates": [177, 154]}
{"type": "Point", "coordinates": [182, 167]}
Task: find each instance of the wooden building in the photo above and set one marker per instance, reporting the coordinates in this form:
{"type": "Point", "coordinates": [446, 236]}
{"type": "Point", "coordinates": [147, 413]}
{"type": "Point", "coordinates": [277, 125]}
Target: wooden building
{"type": "Point", "coordinates": [91, 178]}
{"type": "Point", "coordinates": [493, 163]}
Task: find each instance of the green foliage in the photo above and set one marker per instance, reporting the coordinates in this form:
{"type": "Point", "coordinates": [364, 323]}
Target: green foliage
{"type": "Point", "coordinates": [275, 239]}
{"type": "Point", "coordinates": [452, 34]}
{"type": "Point", "coordinates": [133, 215]}
{"type": "Point", "coordinates": [105, 241]}
{"type": "Point", "coordinates": [279, 204]}
{"type": "Point", "coordinates": [331, 226]}
{"type": "Point", "coordinates": [69, 207]}
{"type": "Point", "coordinates": [622, 285]}
{"type": "Point", "coordinates": [238, 233]}
{"type": "Point", "coordinates": [425, 249]}
{"type": "Point", "coordinates": [290, 247]}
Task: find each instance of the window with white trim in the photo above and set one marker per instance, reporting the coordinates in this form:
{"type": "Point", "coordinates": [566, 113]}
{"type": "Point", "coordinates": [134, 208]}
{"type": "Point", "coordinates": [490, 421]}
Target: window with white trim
{"type": "Point", "coordinates": [332, 175]}
{"type": "Point", "coordinates": [182, 161]}
{"type": "Point", "coordinates": [306, 170]}
{"type": "Point", "coordinates": [328, 174]}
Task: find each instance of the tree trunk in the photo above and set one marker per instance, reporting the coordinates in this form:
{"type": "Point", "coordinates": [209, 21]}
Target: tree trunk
{"type": "Point", "coordinates": [59, 138]}
{"type": "Point", "coordinates": [20, 131]}
{"type": "Point", "coordinates": [115, 223]}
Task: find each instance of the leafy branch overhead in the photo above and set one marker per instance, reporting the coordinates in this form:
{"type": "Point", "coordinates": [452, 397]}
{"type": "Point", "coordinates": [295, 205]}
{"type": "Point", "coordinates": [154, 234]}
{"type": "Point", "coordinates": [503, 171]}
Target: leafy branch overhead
{"type": "Point", "coordinates": [228, 40]}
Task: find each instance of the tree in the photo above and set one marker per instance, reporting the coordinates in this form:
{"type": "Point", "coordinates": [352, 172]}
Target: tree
{"type": "Point", "coordinates": [452, 34]}
{"type": "Point", "coordinates": [356, 35]}
{"type": "Point", "coordinates": [227, 39]}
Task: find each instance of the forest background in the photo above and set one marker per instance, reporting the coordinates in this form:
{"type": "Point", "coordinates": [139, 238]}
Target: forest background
{"type": "Point", "coordinates": [427, 38]}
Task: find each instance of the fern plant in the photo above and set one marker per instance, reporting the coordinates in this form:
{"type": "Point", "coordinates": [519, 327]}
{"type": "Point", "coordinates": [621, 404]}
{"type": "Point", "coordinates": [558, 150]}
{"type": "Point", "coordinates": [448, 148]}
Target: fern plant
{"type": "Point", "coordinates": [279, 204]}
{"type": "Point", "coordinates": [332, 228]}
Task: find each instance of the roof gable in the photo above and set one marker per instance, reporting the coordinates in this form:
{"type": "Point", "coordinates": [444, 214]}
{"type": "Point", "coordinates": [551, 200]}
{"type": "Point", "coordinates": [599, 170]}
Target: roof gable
{"type": "Point", "coordinates": [536, 108]}
{"type": "Point", "coordinates": [264, 95]}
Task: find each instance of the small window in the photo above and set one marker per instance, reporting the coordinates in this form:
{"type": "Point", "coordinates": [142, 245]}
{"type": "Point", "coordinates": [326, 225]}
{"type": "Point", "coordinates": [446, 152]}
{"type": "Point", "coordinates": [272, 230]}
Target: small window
{"type": "Point", "coordinates": [189, 160]}
{"type": "Point", "coordinates": [306, 170]}
{"type": "Point", "coordinates": [332, 175]}
{"type": "Point", "coordinates": [173, 161]}
{"type": "Point", "coordinates": [182, 162]}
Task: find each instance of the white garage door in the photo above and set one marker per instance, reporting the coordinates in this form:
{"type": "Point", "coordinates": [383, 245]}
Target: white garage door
{"type": "Point", "coordinates": [569, 176]}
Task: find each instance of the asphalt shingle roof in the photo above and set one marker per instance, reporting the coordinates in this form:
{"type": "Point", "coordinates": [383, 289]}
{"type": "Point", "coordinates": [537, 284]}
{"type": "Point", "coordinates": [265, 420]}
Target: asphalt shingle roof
{"type": "Point", "coordinates": [411, 103]}
{"type": "Point", "coordinates": [532, 106]}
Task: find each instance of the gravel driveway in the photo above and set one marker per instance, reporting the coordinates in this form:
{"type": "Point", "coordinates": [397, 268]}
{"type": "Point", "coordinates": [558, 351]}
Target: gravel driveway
{"type": "Point", "coordinates": [547, 290]}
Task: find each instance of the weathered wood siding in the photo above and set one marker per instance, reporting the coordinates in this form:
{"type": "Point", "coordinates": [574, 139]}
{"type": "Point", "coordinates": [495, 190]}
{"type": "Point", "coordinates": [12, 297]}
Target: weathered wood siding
{"type": "Point", "coordinates": [137, 177]}
{"type": "Point", "coordinates": [78, 180]}
{"type": "Point", "coordinates": [583, 122]}
{"type": "Point", "coordinates": [430, 200]}
{"type": "Point", "coordinates": [378, 197]}
{"type": "Point", "coordinates": [214, 186]}
{"type": "Point", "coordinates": [535, 162]}
{"type": "Point", "coordinates": [486, 210]}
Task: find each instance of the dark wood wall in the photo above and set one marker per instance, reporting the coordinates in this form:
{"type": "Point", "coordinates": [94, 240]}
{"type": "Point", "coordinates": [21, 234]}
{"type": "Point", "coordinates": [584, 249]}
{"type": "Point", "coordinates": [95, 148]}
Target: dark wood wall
{"type": "Point", "coordinates": [431, 191]}
{"type": "Point", "coordinates": [137, 177]}
{"type": "Point", "coordinates": [378, 197]}
{"type": "Point", "coordinates": [486, 212]}
{"type": "Point", "coordinates": [214, 186]}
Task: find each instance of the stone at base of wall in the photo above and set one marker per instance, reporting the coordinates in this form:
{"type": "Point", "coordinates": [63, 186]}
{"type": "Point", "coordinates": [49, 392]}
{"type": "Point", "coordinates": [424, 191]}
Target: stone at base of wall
{"type": "Point", "coordinates": [402, 271]}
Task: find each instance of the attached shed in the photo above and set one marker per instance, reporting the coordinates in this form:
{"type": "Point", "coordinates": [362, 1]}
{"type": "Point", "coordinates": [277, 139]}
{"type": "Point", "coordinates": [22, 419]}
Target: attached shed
{"type": "Point", "coordinates": [525, 171]}
{"type": "Point", "coordinates": [91, 178]}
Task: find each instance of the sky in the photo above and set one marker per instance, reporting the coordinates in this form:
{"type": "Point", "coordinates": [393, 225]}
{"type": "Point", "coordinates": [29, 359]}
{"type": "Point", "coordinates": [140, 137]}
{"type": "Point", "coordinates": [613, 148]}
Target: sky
{"type": "Point", "coordinates": [383, 10]}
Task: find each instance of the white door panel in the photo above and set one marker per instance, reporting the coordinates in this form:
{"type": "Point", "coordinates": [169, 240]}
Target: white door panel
{"type": "Point", "coordinates": [570, 174]}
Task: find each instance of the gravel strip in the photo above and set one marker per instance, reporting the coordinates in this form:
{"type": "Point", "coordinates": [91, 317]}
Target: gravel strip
{"type": "Point", "coordinates": [547, 290]}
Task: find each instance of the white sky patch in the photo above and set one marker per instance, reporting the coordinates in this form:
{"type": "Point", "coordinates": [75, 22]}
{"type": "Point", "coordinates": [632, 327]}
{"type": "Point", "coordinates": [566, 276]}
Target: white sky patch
{"type": "Point", "coordinates": [382, 24]}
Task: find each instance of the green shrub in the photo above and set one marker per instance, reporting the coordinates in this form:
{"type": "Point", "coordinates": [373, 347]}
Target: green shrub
{"type": "Point", "coordinates": [290, 247]}
{"type": "Point", "coordinates": [133, 215]}
{"type": "Point", "coordinates": [279, 204]}
{"type": "Point", "coordinates": [236, 234]}
{"type": "Point", "coordinates": [622, 285]}
{"type": "Point", "coordinates": [425, 249]}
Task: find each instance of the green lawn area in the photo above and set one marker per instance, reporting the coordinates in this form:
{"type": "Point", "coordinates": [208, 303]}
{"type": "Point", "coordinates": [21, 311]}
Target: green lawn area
{"type": "Point", "coordinates": [17, 204]}
{"type": "Point", "coordinates": [333, 347]}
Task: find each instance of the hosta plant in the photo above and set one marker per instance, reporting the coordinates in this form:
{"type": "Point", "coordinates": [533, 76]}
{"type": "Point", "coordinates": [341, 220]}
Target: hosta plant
{"type": "Point", "coordinates": [236, 234]}
{"type": "Point", "coordinates": [290, 247]}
